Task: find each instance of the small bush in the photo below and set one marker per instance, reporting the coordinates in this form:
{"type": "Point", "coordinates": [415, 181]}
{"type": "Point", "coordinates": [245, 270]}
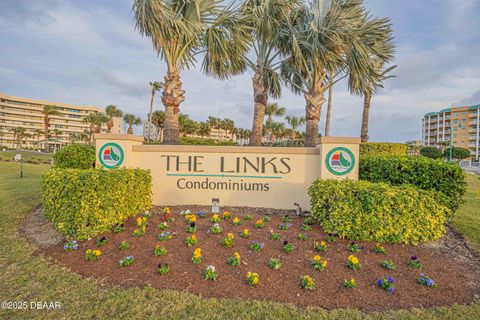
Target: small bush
{"type": "Point", "coordinates": [206, 142]}
{"type": "Point", "coordinates": [361, 210]}
{"type": "Point", "coordinates": [431, 152]}
{"type": "Point", "coordinates": [84, 203]}
{"type": "Point", "coordinates": [457, 153]}
{"type": "Point", "coordinates": [75, 156]}
{"type": "Point", "coordinates": [427, 174]}
{"type": "Point", "coordinates": [383, 149]}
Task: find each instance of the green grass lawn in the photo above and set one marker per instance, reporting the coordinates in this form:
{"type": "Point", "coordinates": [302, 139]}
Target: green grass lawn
{"type": "Point", "coordinates": [25, 276]}
{"type": "Point", "coordinates": [27, 155]}
{"type": "Point", "coordinates": [467, 221]}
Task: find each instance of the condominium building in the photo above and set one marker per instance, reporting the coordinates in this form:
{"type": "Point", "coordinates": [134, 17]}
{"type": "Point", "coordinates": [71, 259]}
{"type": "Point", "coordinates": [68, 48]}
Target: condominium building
{"type": "Point", "coordinates": [16, 112]}
{"type": "Point", "coordinates": [460, 125]}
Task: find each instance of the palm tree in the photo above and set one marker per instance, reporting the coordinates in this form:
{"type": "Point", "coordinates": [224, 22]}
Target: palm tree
{"type": "Point", "coordinates": [48, 111]}
{"type": "Point", "coordinates": [182, 29]}
{"type": "Point", "coordinates": [156, 86]}
{"type": "Point", "coordinates": [2, 134]}
{"type": "Point", "coordinates": [229, 127]}
{"type": "Point", "coordinates": [277, 130]}
{"type": "Point", "coordinates": [131, 120]}
{"type": "Point", "coordinates": [273, 110]}
{"type": "Point", "coordinates": [96, 120]}
{"type": "Point", "coordinates": [329, 36]}
{"type": "Point", "coordinates": [18, 134]}
{"type": "Point", "coordinates": [158, 120]}
{"type": "Point", "coordinates": [36, 134]}
{"type": "Point", "coordinates": [265, 18]}
{"type": "Point", "coordinates": [214, 122]}
{"type": "Point", "coordinates": [294, 122]}
{"type": "Point", "coordinates": [27, 136]}
{"type": "Point", "coordinates": [57, 133]}
{"type": "Point", "coordinates": [203, 129]}
{"type": "Point", "coordinates": [187, 126]}
{"type": "Point", "coordinates": [329, 108]}
{"type": "Point", "coordinates": [112, 111]}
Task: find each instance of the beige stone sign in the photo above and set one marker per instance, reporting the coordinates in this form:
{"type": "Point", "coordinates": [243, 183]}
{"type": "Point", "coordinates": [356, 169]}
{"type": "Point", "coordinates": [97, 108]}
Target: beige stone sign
{"type": "Point", "coordinates": [238, 176]}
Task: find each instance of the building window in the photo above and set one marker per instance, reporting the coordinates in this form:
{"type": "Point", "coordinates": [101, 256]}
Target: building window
{"type": "Point", "coordinates": [455, 114]}
{"type": "Point", "coordinates": [455, 121]}
{"type": "Point", "coordinates": [455, 135]}
{"type": "Point", "coordinates": [463, 120]}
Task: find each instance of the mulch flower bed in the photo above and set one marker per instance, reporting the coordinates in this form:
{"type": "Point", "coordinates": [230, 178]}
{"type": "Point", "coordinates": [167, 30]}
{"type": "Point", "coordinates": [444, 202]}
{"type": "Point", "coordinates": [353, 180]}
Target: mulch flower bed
{"type": "Point", "coordinates": [328, 282]}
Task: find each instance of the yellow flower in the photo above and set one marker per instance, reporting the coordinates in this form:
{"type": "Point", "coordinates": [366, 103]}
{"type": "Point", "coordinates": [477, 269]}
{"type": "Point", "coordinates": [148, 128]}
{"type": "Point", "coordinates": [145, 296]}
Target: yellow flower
{"type": "Point", "coordinates": [323, 243]}
{"type": "Point", "coordinates": [166, 209]}
{"type": "Point", "coordinates": [226, 214]}
{"type": "Point", "coordinates": [139, 221]}
{"type": "Point", "coordinates": [237, 255]}
{"type": "Point", "coordinates": [193, 237]}
{"type": "Point", "coordinates": [197, 253]}
{"type": "Point", "coordinates": [249, 274]}
{"type": "Point", "coordinates": [324, 263]}
{"type": "Point", "coordinates": [316, 258]}
{"type": "Point", "coordinates": [353, 259]}
{"type": "Point", "coordinates": [236, 220]}
{"type": "Point", "coordinates": [215, 216]}
{"type": "Point", "coordinates": [245, 231]}
{"type": "Point", "coordinates": [230, 235]}
{"type": "Point", "coordinates": [352, 281]}
{"type": "Point", "coordinates": [97, 252]}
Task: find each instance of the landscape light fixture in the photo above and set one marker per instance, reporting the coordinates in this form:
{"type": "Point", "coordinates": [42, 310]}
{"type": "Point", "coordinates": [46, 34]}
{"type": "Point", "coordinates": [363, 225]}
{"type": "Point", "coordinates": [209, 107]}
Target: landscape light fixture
{"type": "Point", "coordinates": [18, 157]}
{"type": "Point", "coordinates": [215, 205]}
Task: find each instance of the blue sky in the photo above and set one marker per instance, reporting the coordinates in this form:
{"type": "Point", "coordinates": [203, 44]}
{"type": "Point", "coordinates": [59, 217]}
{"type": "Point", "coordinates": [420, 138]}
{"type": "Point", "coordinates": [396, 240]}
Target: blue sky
{"type": "Point", "coordinates": [88, 53]}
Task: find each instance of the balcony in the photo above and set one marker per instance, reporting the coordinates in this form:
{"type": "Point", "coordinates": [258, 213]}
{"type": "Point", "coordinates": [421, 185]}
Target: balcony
{"type": "Point", "coordinates": [472, 115]}
{"type": "Point", "coordinates": [474, 130]}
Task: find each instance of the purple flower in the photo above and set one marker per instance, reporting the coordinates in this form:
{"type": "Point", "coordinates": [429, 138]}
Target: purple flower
{"type": "Point", "coordinates": [390, 290]}
{"type": "Point", "coordinates": [192, 225]}
{"type": "Point", "coordinates": [285, 242]}
{"type": "Point", "coordinates": [379, 282]}
{"type": "Point", "coordinates": [430, 282]}
{"type": "Point", "coordinates": [262, 245]}
{"type": "Point", "coordinates": [413, 258]}
{"type": "Point", "coordinates": [390, 279]}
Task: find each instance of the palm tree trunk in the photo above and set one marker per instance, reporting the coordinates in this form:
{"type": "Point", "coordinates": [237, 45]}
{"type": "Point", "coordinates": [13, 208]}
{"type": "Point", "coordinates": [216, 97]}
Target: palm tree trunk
{"type": "Point", "coordinates": [172, 97]}
{"type": "Point", "coordinates": [161, 135]}
{"type": "Point", "coordinates": [260, 100]}
{"type": "Point", "coordinates": [329, 111]}
{"type": "Point", "coordinates": [130, 129]}
{"type": "Point", "coordinates": [150, 116]}
{"type": "Point", "coordinates": [314, 101]}
{"type": "Point", "coordinates": [366, 110]}
{"type": "Point", "coordinates": [46, 122]}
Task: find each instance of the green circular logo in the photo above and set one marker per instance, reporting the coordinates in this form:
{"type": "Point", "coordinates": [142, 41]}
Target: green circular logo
{"type": "Point", "coordinates": [340, 161]}
{"type": "Point", "coordinates": [111, 155]}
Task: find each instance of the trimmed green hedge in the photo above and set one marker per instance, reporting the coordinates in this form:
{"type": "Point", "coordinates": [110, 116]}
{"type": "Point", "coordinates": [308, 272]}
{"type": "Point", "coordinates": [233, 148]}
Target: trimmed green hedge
{"type": "Point", "coordinates": [383, 149]}
{"type": "Point", "coordinates": [361, 210]}
{"type": "Point", "coordinates": [421, 172]}
{"type": "Point", "coordinates": [431, 152]}
{"type": "Point", "coordinates": [75, 156]}
{"type": "Point", "coordinates": [206, 142]}
{"type": "Point", "coordinates": [84, 203]}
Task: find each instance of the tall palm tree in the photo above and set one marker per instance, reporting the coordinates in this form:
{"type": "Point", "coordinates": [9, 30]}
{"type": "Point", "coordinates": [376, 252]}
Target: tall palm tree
{"type": "Point", "coordinates": [36, 134]}
{"type": "Point", "coordinates": [265, 18]}
{"type": "Point", "coordinates": [273, 110]}
{"type": "Point", "coordinates": [158, 120]}
{"type": "Point", "coordinates": [156, 86]}
{"type": "Point", "coordinates": [294, 122]}
{"type": "Point", "coordinates": [95, 120]}
{"type": "Point", "coordinates": [203, 129]}
{"type": "Point", "coordinates": [182, 29]}
{"type": "Point", "coordinates": [112, 111]}
{"type": "Point", "coordinates": [48, 111]}
{"type": "Point", "coordinates": [229, 127]}
{"type": "Point", "coordinates": [27, 136]}
{"type": "Point", "coordinates": [329, 108]}
{"type": "Point", "coordinates": [277, 130]}
{"type": "Point", "coordinates": [327, 36]}
{"type": "Point", "coordinates": [131, 120]}
{"type": "Point", "coordinates": [214, 122]}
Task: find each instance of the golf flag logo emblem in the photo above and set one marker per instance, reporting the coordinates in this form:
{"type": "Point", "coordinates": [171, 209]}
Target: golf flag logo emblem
{"type": "Point", "coordinates": [340, 161]}
{"type": "Point", "coordinates": [111, 155]}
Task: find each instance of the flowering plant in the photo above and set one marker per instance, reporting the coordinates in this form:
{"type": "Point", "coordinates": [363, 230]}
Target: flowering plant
{"type": "Point", "coordinates": [163, 269]}
{"type": "Point", "coordinates": [101, 241]}
{"type": "Point", "coordinates": [245, 233]}
{"type": "Point", "coordinates": [215, 218]}
{"type": "Point", "coordinates": [142, 222]}
{"type": "Point", "coordinates": [236, 221]}
{"type": "Point", "coordinates": [320, 246]}
{"type": "Point", "coordinates": [427, 281]}
{"type": "Point", "coordinates": [127, 261]}
{"type": "Point", "coordinates": [191, 228]}
{"type": "Point", "coordinates": [92, 254]}
{"type": "Point", "coordinates": [388, 264]}
{"type": "Point", "coordinates": [248, 217]}
{"type": "Point", "coordinates": [123, 245]}
{"type": "Point", "coordinates": [190, 241]}
{"type": "Point", "coordinates": [185, 212]}
{"type": "Point", "coordinates": [259, 224]}
{"type": "Point", "coordinates": [331, 237]}
{"type": "Point", "coordinates": [197, 256]}
{"type": "Point", "coordinates": [378, 248]}
{"type": "Point", "coordinates": [210, 273]}
{"type": "Point", "coordinates": [164, 236]}
{"type": "Point", "coordinates": [353, 263]}
{"type": "Point", "coordinates": [274, 263]}
{"type": "Point", "coordinates": [274, 236]}
{"type": "Point", "coordinates": [235, 260]}
{"type": "Point", "coordinates": [226, 215]}
{"type": "Point", "coordinates": [227, 242]}
{"type": "Point", "coordinates": [354, 247]}
{"type": "Point", "coordinates": [252, 279]}
{"type": "Point", "coordinates": [139, 232]}
{"type": "Point", "coordinates": [70, 245]}
{"type": "Point", "coordinates": [287, 218]}
{"type": "Point", "coordinates": [350, 283]}
{"type": "Point", "coordinates": [191, 218]}
{"type": "Point", "coordinates": [165, 210]}
{"type": "Point", "coordinates": [308, 221]}
{"type": "Point", "coordinates": [386, 284]}
{"type": "Point", "coordinates": [285, 226]}
{"type": "Point", "coordinates": [414, 263]}
{"type": "Point", "coordinates": [266, 218]}
{"type": "Point", "coordinates": [318, 263]}
{"type": "Point", "coordinates": [119, 228]}
{"type": "Point", "coordinates": [167, 217]}
{"type": "Point", "coordinates": [163, 226]}
{"type": "Point", "coordinates": [159, 251]}
{"type": "Point", "coordinates": [257, 246]}
{"type": "Point", "coordinates": [302, 236]}
{"type": "Point", "coordinates": [215, 229]}
{"type": "Point", "coordinates": [147, 214]}
{"type": "Point", "coordinates": [288, 247]}
{"type": "Point", "coordinates": [305, 227]}
{"type": "Point", "coordinates": [202, 214]}
{"type": "Point", "coordinates": [307, 282]}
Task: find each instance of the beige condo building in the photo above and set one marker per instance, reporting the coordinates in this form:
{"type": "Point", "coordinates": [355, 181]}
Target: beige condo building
{"type": "Point", "coordinates": [64, 128]}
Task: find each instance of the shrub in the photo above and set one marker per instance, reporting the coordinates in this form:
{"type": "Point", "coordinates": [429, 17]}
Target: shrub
{"type": "Point", "coordinates": [206, 142]}
{"type": "Point", "coordinates": [457, 153]}
{"type": "Point", "coordinates": [84, 203]}
{"type": "Point", "coordinates": [427, 174]}
{"type": "Point", "coordinates": [361, 210]}
{"type": "Point", "coordinates": [431, 152]}
{"type": "Point", "coordinates": [75, 156]}
{"type": "Point", "coordinates": [383, 149]}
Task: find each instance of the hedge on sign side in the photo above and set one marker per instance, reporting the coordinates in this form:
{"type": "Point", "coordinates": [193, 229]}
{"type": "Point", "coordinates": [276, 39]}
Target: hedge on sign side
{"type": "Point", "coordinates": [84, 203]}
{"type": "Point", "coordinates": [431, 152]}
{"type": "Point", "coordinates": [75, 156]}
{"type": "Point", "coordinates": [383, 149]}
{"type": "Point", "coordinates": [422, 172]}
{"type": "Point", "coordinates": [361, 210]}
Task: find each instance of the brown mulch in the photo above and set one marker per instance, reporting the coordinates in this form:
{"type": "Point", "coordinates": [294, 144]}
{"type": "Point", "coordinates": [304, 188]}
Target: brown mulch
{"type": "Point", "coordinates": [449, 261]}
